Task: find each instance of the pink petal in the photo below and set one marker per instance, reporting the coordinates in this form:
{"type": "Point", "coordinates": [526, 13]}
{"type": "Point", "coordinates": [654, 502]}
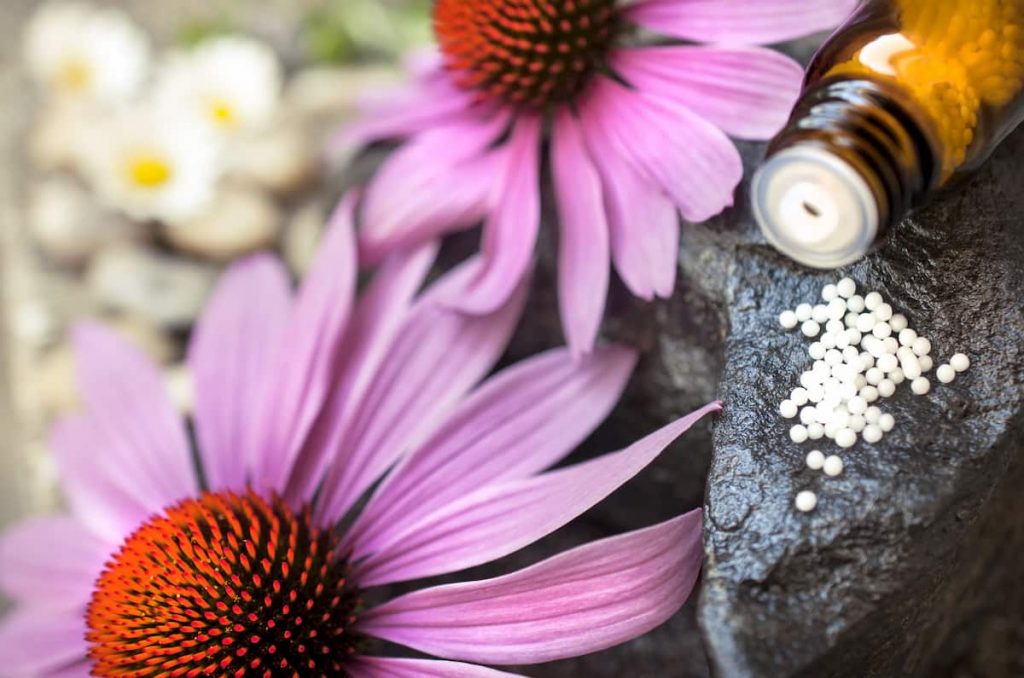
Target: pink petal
{"type": "Point", "coordinates": [581, 601]}
{"type": "Point", "coordinates": [516, 424]}
{"type": "Point", "coordinates": [230, 357]}
{"type": "Point", "coordinates": [379, 314]}
{"type": "Point", "coordinates": [503, 518]}
{"type": "Point", "coordinates": [127, 397]}
{"type": "Point", "coordinates": [51, 562]}
{"type": "Point", "coordinates": [510, 231]}
{"type": "Point", "coordinates": [757, 22]}
{"type": "Point", "coordinates": [34, 643]}
{"type": "Point", "coordinates": [746, 91]}
{"type": "Point", "coordinates": [390, 667]}
{"type": "Point", "coordinates": [644, 223]}
{"type": "Point", "coordinates": [437, 356]}
{"type": "Point", "coordinates": [693, 161]}
{"type": "Point", "coordinates": [105, 488]}
{"type": "Point", "coordinates": [583, 249]}
{"type": "Point", "coordinates": [437, 183]}
{"type": "Point", "coordinates": [303, 372]}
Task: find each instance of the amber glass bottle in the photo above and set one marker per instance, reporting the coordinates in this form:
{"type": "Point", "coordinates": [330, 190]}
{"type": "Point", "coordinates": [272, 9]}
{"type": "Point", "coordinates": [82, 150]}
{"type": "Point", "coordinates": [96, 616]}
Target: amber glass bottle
{"type": "Point", "coordinates": [904, 97]}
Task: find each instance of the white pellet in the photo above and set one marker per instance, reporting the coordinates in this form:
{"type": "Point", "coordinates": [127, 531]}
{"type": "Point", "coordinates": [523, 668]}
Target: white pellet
{"type": "Point", "coordinates": [815, 460]}
{"type": "Point", "coordinates": [828, 341]}
{"type": "Point", "coordinates": [844, 373]}
{"type": "Point", "coordinates": [851, 319]}
{"type": "Point", "coordinates": [911, 367]}
{"type": "Point", "coordinates": [887, 363]}
{"type": "Point", "coordinates": [884, 312]}
{"type": "Point", "coordinates": [798, 433]}
{"type": "Point", "coordinates": [842, 339]}
{"type": "Point", "coordinates": [860, 382]}
{"type": "Point", "coordinates": [921, 386]}
{"type": "Point", "coordinates": [873, 300]}
{"type": "Point", "coordinates": [788, 409]}
{"type": "Point", "coordinates": [788, 320]}
{"type": "Point", "coordinates": [816, 431]}
{"type": "Point", "coordinates": [835, 327]}
{"type": "Point", "coordinates": [829, 292]}
{"type": "Point", "coordinates": [803, 312]}
{"type": "Point", "coordinates": [857, 423]}
{"type": "Point", "coordinates": [837, 309]}
{"type": "Point", "coordinates": [808, 415]}
{"type": "Point", "coordinates": [870, 394]}
{"type": "Point", "coordinates": [809, 380]}
{"type": "Point", "coordinates": [899, 322]}
{"type": "Point", "coordinates": [897, 377]}
{"type": "Point", "coordinates": [857, 405]}
{"type": "Point", "coordinates": [874, 376]}
{"type": "Point", "coordinates": [851, 355]}
{"type": "Point", "coordinates": [840, 419]}
{"type": "Point", "coordinates": [833, 357]}
{"type": "Point", "coordinates": [854, 336]}
{"type": "Point", "coordinates": [907, 337]}
{"type": "Point", "coordinates": [833, 466]}
{"type": "Point", "coordinates": [960, 362]}
{"type": "Point", "coordinates": [887, 387]}
{"type": "Point", "coordinates": [881, 330]}
{"type": "Point", "coordinates": [819, 313]}
{"type": "Point", "coordinates": [946, 374]}
{"type": "Point", "coordinates": [873, 415]}
{"type": "Point", "coordinates": [806, 501]}
{"type": "Point", "coordinates": [846, 288]}
{"type": "Point", "coordinates": [866, 322]}
{"type": "Point", "coordinates": [922, 346]}
{"type": "Point", "coordinates": [867, 361]}
{"type": "Point", "coordinates": [830, 431]}
{"type": "Point", "coordinates": [810, 328]}
{"type": "Point", "coordinates": [886, 423]}
{"type": "Point", "coordinates": [890, 345]}
{"type": "Point", "coordinates": [817, 351]}
{"type": "Point", "coordinates": [848, 390]}
{"type": "Point", "coordinates": [872, 433]}
{"type": "Point", "coordinates": [855, 303]}
{"type": "Point", "coordinates": [846, 438]}
{"type": "Point", "coordinates": [815, 394]}
{"type": "Point", "coordinates": [799, 396]}
{"type": "Point", "coordinates": [926, 363]}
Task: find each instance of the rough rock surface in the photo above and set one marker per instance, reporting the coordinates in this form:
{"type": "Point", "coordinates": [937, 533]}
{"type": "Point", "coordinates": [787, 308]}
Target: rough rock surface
{"type": "Point", "coordinates": [920, 536]}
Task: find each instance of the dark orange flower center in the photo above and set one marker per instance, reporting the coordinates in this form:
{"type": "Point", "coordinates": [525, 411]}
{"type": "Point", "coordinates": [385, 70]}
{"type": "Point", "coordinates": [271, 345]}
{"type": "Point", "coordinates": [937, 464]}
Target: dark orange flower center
{"type": "Point", "coordinates": [224, 585]}
{"type": "Point", "coordinates": [530, 52]}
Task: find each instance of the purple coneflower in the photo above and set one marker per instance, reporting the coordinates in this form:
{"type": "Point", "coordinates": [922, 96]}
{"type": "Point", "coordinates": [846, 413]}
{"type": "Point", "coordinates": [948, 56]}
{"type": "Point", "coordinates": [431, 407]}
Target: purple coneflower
{"type": "Point", "coordinates": [638, 133]}
{"type": "Point", "coordinates": [311, 414]}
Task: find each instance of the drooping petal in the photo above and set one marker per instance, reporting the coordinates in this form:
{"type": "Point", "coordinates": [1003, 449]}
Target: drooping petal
{"type": "Point", "coordinates": [51, 562]}
{"type": "Point", "coordinates": [393, 667]}
{"type": "Point", "coordinates": [35, 643]}
{"type": "Point", "coordinates": [644, 223]}
{"type": "Point", "coordinates": [437, 356]}
{"type": "Point", "coordinates": [501, 519]}
{"type": "Point", "coordinates": [692, 161]}
{"type": "Point", "coordinates": [584, 600]}
{"type": "Point", "coordinates": [230, 357]}
{"type": "Point", "coordinates": [302, 372]}
{"type": "Point", "coordinates": [439, 182]}
{"type": "Point", "coordinates": [106, 490]}
{"type": "Point", "coordinates": [126, 396]}
{"type": "Point", "coordinates": [516, 424]}
{"type": "Point", "coordinates": [740, 22]}
{"type": "Point", "coordinates": [379, 314]}
{"type": "Point", "coordinates": [510, 231]}
{"type": "Point", "coordinates": [583, 248]}
{"type": "Point", "coordinates": [748, 92]}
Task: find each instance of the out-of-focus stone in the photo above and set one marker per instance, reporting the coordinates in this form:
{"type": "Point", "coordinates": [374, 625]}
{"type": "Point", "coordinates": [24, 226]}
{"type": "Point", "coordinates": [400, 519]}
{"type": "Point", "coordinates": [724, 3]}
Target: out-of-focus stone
{"type": "Point", "coordinates": [33, 322]}
{"type": "Point", "coordinates": [55, 382]}
{"type": "Point", "coordinates": [302, 235]}
{"type": "Point", "coordinates": [69, 225]}
{"type": "Point", "coordinates": [167, 291]}
{"type": "Point", "coordinates": [282, 160]}
{"type": "Point", "coordinates": [240, 220]}
{"type": "Point", "coordinates": [141, 332]}
{"type": "Point", "coordinates": [180, 387]}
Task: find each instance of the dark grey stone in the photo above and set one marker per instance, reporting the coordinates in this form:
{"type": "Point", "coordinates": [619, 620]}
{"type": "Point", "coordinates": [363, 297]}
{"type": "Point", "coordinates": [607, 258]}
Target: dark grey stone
{"type": "Point", "coordinates": [918, 542]}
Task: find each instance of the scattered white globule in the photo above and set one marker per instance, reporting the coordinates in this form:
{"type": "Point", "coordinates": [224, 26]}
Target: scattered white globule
{"type": "Point", "coordinates": [862, 351]}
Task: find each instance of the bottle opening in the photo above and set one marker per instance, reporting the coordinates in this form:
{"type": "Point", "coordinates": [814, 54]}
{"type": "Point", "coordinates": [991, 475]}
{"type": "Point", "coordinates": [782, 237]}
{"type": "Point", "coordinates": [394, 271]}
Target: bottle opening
{"type": "Point", "coordinates": [814, 207]}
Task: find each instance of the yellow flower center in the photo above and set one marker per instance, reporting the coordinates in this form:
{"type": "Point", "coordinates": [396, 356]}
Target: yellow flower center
{"type": "Point", "coordinates": [74, 75]}
{"type": "Point", "coordinates": [223, 113]}
{"type": "Point", "coordinates": [149, 170]}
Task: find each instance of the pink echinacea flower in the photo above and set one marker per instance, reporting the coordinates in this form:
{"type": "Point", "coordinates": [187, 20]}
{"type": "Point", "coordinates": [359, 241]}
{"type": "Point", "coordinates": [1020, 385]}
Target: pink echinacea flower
{"type": "Point", "coordinates": [638, 126]}
{"type": "Point", "coordinates": [343, 442]}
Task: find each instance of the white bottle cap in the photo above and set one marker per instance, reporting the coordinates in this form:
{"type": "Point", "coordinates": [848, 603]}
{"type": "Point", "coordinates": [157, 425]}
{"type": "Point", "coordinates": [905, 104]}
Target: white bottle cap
{"type": "Point", "coordinates": [814, 207]}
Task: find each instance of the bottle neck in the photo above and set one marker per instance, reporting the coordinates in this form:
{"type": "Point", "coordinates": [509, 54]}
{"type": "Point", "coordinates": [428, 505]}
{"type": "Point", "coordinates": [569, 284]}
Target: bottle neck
{"type": "Point", "coordinates": [853, 161]}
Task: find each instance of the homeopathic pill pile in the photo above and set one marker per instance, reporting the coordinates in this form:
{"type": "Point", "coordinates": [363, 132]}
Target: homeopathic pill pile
{"type": "Point", "coordinates": [862, 351]}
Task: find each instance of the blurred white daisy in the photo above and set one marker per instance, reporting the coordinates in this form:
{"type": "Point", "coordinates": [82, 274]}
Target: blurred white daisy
{"type": "Point", "coordinates": [78, 51]}
{"type": "Point", "coordinates": [153, 164]}
{"type": "Point", "coordinates": [233, 83]}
